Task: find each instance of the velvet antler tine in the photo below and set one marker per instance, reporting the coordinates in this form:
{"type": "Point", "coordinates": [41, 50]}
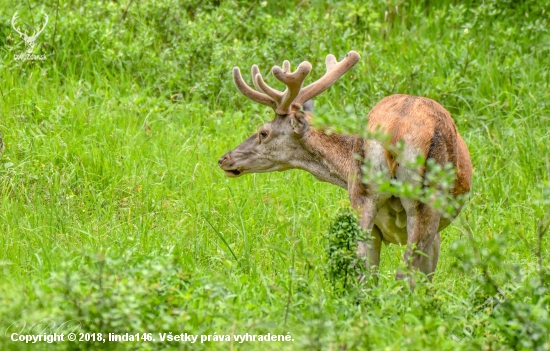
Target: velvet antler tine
{"type": "Point", "coordinates": [286, 66]}
{"type": "Point", "coordinates": [293, 81]}
{"type": "Point", "coordinates": [335, 70]}
{"type": "Point", "coordinates": [255, 71]}
{"type": "Point", "coordinates": [251, 93]}
{"type": "Point", "coordinates": [331, 61]}
{"type": "Point", "coordinates": [262, 86]}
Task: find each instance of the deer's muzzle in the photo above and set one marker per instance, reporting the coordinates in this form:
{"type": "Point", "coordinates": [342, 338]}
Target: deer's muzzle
{"type": "Point", "coordinates": [226, 163]}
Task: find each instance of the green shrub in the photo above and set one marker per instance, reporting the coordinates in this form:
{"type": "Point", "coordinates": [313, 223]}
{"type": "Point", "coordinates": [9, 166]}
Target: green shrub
{"type": "Point", "coordinates": [343, 266]}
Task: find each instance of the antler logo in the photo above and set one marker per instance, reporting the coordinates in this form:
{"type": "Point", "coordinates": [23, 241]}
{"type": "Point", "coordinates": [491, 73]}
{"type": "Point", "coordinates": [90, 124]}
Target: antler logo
{"type": "Point", "coordinates": [30, 41]}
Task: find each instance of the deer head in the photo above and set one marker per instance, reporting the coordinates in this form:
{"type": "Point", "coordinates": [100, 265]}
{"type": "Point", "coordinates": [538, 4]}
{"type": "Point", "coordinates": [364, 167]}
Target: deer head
{"type": "Point", "coordinates": [30, 41]}
{"type": "Point", "coordinates": [278, 145]}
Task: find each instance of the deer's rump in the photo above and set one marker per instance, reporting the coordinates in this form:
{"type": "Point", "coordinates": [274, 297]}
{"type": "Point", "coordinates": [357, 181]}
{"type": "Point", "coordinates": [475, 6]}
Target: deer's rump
{"type": "Point", "coordinates": [427, 128]}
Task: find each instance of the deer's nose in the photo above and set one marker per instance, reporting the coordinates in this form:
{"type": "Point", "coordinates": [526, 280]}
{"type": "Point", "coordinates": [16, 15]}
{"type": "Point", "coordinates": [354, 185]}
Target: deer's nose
{"type": "Point", "coordinates": [221, 160]}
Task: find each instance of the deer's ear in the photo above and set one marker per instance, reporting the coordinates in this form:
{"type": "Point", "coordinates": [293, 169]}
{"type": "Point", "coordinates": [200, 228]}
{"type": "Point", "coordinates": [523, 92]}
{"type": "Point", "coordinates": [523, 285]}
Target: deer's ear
{"type": "Point", "coordinates": [308, 106]}
{"type": "Point", "coordinates": [299, 123]}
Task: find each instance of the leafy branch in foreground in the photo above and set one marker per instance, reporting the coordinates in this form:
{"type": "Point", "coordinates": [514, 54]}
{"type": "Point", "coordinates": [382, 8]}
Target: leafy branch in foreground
{"type": "Point", "coordinates": [431, 182]}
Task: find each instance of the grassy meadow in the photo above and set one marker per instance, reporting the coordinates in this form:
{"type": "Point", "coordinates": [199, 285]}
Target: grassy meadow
{"type": "Point", "coordinates": [115, 218]}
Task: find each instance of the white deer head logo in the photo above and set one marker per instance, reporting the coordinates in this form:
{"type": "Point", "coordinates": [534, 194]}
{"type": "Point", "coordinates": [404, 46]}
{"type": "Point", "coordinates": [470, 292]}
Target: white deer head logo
{"type": "Point", "coordinates": [30, 41]}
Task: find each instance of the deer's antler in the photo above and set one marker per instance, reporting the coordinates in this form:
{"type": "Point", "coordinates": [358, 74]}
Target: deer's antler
{"type": "Point", "coordinates": [250, 93]}
{"type": "Point", "coordinates": [335, 70]}
{"type": "Point", "coordinates": [266, 95]}
{"type": "Point", "coordinates": [294, 94]}
{"type": "Point", "coordinates": [293, 82]}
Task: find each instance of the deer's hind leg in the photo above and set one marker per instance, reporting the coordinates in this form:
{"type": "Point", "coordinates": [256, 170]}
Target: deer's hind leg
{"type": "Point", "coordinates": [433, 257]}
{"type": "Point", "coordinates": [428, 265]}
{"type": "Point", "coordinates": [423, 238]}
{"type": "Point", "coordinates": [370, 250]}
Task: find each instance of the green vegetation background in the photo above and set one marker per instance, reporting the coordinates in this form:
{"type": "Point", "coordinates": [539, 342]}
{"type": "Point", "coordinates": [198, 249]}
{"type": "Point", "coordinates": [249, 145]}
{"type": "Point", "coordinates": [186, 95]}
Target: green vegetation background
{"type": "Point", "coordinates": [113, 211]}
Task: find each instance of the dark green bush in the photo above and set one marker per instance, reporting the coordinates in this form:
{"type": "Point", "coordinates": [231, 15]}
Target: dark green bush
{"type": "Point", "coordinates": [343, 266]}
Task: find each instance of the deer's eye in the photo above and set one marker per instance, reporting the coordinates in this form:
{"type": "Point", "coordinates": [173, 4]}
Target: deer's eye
{"type": "Point", "coordinates": [264, 134]}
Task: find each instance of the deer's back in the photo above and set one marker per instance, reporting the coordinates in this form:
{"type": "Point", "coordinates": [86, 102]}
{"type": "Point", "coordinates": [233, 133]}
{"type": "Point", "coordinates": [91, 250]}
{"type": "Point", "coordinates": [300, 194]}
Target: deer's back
{"type": "Point", "coordinates": [428, 128]}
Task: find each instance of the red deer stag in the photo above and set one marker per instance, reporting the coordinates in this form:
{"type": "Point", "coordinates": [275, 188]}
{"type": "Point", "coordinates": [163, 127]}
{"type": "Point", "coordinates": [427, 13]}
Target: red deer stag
{"type": "Point", "coordinates": [289, 141]}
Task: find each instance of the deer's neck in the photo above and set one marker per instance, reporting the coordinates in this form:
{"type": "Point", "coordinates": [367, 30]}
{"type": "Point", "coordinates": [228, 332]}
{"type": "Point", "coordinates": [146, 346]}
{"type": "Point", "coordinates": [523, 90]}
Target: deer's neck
{"type": "Point", "coordinates": [328, 157]}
